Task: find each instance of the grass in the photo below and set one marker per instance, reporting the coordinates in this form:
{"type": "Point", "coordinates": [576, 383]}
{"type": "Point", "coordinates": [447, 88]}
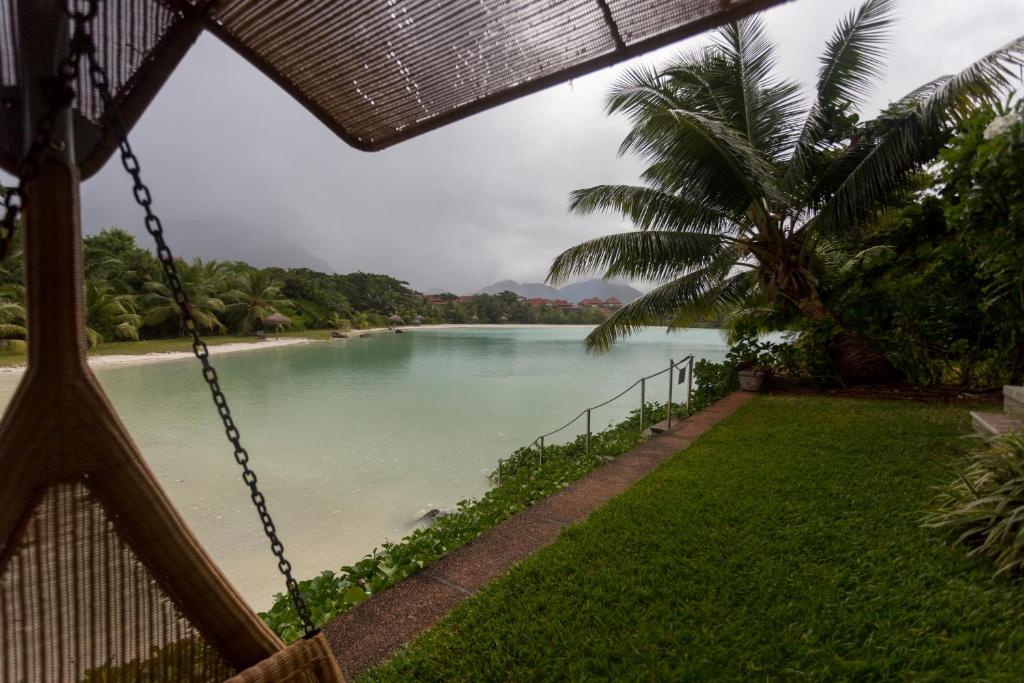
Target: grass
{"type": "Point", "coordinates": [9, 357]}
{"type": "Point", "coordinates": [785, 544]}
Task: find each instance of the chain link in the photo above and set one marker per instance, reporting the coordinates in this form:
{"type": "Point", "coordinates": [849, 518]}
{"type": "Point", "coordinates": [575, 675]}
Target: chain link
{"type": "Point", "coordinates": [100, 82]}
{"type": "Point", "coordinates": [58, 94]}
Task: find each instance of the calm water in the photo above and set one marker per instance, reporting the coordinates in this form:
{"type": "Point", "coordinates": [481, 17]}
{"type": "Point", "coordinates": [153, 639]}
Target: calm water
{"type": "Point", "coordinates": [353, 440]}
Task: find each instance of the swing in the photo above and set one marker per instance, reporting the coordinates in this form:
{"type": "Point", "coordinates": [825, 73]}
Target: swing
{"type": "Point", "coordinates": [100, 579]}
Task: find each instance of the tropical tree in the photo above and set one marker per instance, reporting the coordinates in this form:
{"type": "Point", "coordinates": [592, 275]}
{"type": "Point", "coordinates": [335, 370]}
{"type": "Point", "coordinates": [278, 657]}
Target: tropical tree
{"type": "Point", "coordinates": [203, 283]}
{"type": "Point", "coordinates": [256, 295]}
{"type": "Point", "coordinates": [109, 313]}
{"type": "Point", "coordinates": [748, 187]}
{"type": "Point", "coordinates": [12, 317]}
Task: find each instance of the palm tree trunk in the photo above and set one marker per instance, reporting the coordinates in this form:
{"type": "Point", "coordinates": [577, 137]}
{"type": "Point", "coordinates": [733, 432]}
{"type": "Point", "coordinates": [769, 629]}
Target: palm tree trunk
{"type": "Point", "coordinates": [856, 361]}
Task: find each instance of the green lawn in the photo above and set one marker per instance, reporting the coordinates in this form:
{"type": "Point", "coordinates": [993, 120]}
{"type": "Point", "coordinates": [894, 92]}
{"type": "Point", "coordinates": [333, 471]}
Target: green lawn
{"type": "Point", "coordinates": [783, 545]}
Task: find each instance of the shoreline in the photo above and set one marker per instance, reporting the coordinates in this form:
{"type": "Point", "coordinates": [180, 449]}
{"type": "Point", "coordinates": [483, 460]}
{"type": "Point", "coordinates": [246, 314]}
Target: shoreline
{"type": "Point", "coordinates": [122, 359]}
{"type": "Point", "coordinates": [130, 359]}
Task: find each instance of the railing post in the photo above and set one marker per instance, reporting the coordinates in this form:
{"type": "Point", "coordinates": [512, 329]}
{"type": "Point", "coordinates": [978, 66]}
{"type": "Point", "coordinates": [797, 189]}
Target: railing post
{"type": "Point", "coordinates": [671, 369]}
{"type": "Point", "coordinates": [643, 399]}
{"type": "Point", "coordinates": [588, 431]}
{"type": "Point", "coordinates": [540, 459]}
{"type": "Point", "coordinates": [499, 471]}
{"type": "Point", "coordinates": [689, 385]}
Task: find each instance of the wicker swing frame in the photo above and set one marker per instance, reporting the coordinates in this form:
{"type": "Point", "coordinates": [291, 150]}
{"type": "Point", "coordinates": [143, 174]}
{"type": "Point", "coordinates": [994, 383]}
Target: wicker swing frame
{"type": "Point", "coordinates": [100, 578]}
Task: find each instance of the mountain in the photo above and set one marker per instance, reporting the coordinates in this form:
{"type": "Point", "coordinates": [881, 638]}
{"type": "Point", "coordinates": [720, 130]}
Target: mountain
{"type": "Point", "coordinates": [528, 289]}
{"type": "Point", "coordinates": [574, 292]}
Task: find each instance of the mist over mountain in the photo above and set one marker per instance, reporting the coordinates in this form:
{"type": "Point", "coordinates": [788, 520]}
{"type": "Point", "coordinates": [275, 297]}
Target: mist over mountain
{"type": "Point", "coordinates": [574, 292]}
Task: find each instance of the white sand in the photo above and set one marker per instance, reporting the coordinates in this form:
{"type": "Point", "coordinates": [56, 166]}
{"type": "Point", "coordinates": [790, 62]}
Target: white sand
{"type": "Point", "coordinates": [156, 357]}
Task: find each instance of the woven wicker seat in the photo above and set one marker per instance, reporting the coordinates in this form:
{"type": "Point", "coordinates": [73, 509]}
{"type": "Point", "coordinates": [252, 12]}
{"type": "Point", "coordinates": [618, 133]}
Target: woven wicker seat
{"type": "Point", "coordinates": [100, 579]}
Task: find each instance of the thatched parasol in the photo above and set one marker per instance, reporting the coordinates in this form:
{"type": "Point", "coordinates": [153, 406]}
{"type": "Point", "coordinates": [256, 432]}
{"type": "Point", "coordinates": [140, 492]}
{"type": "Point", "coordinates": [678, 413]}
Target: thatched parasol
{"type": "Point", "coordinates": [278, 320]}
{"type": "Point", "coordinates": [394, 320]}
{"type": "Point", "coordinates": [503, 319]}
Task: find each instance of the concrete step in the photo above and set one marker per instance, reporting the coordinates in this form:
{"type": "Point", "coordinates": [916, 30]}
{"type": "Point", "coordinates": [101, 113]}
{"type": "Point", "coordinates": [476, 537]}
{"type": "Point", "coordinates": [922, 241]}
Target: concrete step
{"type": "Point", "coordinates": [1013, 401]}
{"type": "Point", "coordinates": [662, 427]}
{"type": "Point", "coordinates": [995, 424]}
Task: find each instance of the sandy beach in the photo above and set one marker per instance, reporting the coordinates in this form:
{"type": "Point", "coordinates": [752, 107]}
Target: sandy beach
{"type": "Point", "coordinates": [143, 358]}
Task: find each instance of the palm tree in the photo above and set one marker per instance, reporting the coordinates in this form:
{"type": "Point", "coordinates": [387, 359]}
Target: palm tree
{"type": "Point", "coordinates": [255, 296]}
{"type": "Point", "coordinates": [203, 283]}
{"type": "Point", "coordinates": [747, 189]}
{"type": "Point", "coordinates": [110, 312]}
{"type": "Point", "coordinates": [12, 317]}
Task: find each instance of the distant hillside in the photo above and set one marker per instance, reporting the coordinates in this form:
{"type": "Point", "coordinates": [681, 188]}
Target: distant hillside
{"type": "Point", "coordinates": [574, 292]}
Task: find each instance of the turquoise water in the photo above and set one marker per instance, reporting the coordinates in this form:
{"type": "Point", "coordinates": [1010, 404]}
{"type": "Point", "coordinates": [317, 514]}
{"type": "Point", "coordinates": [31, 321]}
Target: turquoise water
{"type": "Point", "coordinates": [353, 440]}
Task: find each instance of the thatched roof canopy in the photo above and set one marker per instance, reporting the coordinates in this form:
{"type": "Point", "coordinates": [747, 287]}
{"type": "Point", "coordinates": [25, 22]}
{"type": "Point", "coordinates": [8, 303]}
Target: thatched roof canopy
{"type": "Point", "coordinates": [396, 319]}
{"type": "Point", "coordinates": [277, 320]}
{"type": "Point", "coordinates": [375, 74]}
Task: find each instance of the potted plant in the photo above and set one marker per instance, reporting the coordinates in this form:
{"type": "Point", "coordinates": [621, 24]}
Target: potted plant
{"type": "Point", "coordinates": [753, 359]}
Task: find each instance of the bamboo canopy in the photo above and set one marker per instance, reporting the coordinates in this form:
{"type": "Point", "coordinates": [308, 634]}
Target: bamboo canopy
{"type": "Point", "coordinates": [100, 578]}
{"type": "Point", "coordinates": [374, 74]}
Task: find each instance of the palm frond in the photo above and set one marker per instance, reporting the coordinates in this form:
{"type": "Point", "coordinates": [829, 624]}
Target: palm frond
{"type": "Point", "coordinates": [708, 155]}
{"type": "Point", "coordinates": [854, 56]}
{"type": "Point", "coordinates": [689, 295]}
{"type": "Point", "coordinates": [13, 331]}
{"type": "Point", "coordinates": [753, 102]}
{"type": "Point", "coordinates": [853, 60]}
{"type": "Point", "coordinates": [649, 208]}
{"type": "Point", "coordinates": [911, 134]}
{"type": "Point", "coordinates": [647, 255]}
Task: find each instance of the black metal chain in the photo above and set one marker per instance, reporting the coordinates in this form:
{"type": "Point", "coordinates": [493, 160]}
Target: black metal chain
{"type": "Point", "coordinates": [58, 94]}
{"type": "Point", "coordinates": [99, 80]}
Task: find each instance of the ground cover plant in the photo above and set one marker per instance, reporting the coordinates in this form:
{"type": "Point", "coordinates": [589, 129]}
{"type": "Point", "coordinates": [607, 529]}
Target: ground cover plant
{"type": "Point", "coordinates": [521, 482]}
{"type": "Point", "coordinates": [784, 544]}
{"type": "Point", "coordinates": [983, 507]}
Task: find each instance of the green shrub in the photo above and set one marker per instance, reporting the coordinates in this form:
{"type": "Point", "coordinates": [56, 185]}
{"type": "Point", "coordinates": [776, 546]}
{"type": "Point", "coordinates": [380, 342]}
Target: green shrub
{"type": "Point", "coordinates": [984, 506]}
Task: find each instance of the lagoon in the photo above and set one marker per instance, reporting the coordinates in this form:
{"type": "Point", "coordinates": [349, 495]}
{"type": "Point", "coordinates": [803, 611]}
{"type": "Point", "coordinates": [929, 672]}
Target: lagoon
{"type": "Point", "coordinates": [354, 440]}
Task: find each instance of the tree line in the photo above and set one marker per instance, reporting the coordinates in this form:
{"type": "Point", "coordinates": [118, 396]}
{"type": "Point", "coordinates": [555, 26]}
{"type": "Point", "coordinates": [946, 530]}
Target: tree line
{"type": "Point", "coordinates": [127, 297]}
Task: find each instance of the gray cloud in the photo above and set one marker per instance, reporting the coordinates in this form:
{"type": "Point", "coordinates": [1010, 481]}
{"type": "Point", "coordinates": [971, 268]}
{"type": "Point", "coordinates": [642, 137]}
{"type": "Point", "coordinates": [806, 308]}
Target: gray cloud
{"type": "Point", "coordinates": [240, 170]}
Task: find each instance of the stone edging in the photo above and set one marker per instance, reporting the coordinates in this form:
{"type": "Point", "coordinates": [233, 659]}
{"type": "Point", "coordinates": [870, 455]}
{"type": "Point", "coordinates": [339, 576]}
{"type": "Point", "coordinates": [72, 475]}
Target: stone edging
{"type": "Point", "coordinates": [371, 631]}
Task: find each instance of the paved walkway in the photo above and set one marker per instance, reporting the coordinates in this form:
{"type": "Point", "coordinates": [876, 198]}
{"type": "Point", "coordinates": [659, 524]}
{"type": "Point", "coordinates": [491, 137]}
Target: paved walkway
{"type": "Point", "coordinates": [367, 634]}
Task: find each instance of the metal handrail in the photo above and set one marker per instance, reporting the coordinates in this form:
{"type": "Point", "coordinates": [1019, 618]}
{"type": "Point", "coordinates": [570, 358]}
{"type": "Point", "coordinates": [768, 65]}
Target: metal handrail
{"type": "Point", "coordinates": [673, 364]}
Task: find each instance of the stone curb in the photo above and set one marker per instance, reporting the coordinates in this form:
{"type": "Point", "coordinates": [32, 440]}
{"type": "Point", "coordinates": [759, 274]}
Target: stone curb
{"type": "Point", "coordinates": [370, 632]}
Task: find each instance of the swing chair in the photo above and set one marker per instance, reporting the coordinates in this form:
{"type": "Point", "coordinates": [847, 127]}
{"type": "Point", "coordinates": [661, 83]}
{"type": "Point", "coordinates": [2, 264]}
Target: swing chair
{"type": "Point", "coordinates": [100, 579]}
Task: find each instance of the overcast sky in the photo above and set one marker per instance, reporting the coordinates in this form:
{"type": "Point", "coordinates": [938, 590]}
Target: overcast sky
{"type": "Point", "coordinates": [239, 170]}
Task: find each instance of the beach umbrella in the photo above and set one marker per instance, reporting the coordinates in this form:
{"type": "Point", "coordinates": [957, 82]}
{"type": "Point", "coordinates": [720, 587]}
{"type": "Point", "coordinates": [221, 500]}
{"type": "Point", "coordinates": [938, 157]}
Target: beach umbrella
{"type": "Point", "coordinates": [375, 74]}
{"type": "Point", "coordinates": [396, 319]}
{"type": "Point", "coordinates": [277, 320]}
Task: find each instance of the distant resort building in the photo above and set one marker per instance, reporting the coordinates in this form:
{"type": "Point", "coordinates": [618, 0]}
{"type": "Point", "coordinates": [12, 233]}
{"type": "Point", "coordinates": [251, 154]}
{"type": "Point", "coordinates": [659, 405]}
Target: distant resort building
{"type": "Point", "coordinates": [565, 306]}
{"type": "Point", "coordinates": [611, 304]}
{"type": "Point", "coordinates": [538, 302]}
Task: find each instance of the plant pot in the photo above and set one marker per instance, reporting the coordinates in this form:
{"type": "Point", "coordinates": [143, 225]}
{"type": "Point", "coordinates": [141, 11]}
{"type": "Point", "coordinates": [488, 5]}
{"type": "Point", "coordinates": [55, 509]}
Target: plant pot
{"type": "Point", "coordinates": [751, 380]}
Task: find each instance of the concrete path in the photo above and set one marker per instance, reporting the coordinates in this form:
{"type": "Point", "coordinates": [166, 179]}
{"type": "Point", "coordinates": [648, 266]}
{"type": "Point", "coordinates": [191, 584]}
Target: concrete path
{"type": "Point", "coordinates": [367, 634]}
